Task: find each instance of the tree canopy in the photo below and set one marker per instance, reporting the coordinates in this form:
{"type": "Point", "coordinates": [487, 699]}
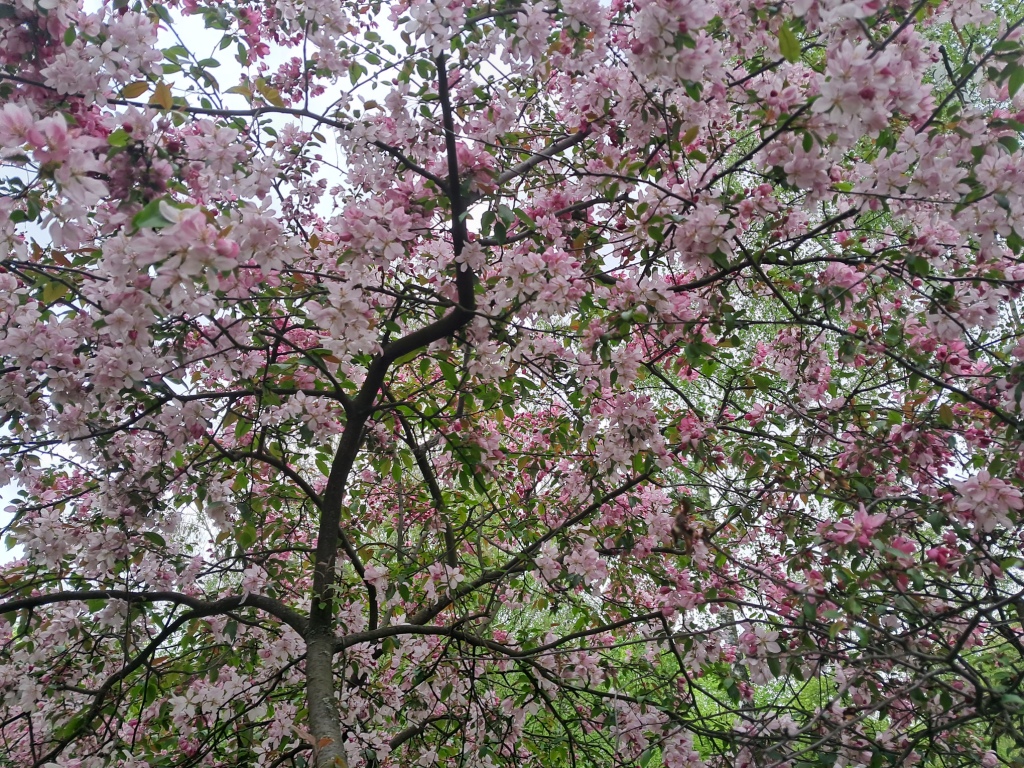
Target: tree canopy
{"type": "Point", "coordinates": [556, 383]}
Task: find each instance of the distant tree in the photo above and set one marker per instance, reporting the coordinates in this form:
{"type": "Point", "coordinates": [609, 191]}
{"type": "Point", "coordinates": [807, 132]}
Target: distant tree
{"type": "Point", "coordinates": [512, 383]}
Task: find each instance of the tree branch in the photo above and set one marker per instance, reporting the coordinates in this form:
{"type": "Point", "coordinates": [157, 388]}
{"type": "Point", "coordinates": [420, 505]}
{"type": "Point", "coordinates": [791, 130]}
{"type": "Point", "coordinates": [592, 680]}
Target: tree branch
{"type": "Point", "coordinates": [278, 610]}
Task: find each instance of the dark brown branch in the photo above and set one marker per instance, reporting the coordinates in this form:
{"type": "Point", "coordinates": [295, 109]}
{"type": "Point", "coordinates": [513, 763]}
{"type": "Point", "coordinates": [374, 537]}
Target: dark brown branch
{"type": "Point", "coordinates": [320, 691]}
{"type": "Point", "coordinates": [278, 610]}
{"type": "Point", "coordinates": [201, 610]}
{"type": "Point", "coordinates": [429, 477]}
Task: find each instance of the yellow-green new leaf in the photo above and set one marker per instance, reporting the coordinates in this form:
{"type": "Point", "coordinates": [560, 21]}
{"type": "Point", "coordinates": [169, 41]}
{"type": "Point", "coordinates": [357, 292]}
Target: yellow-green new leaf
{"type": "Point", "coordinates": [789, 46]}
{"type": "Point", "coordinates": [134, 90]}
{"type": "Point", "coordinates": [162, 96]}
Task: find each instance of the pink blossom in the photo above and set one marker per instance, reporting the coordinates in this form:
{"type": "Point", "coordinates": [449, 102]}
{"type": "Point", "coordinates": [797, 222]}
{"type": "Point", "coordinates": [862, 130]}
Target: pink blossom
{"type": "Point", "coordinates": [861, 529]}
{"type": "Point", "coordinates": [17, 128]}
{"type": "Point", "coordinates": [760, 640]}
{"type": "Point", "coordinates": [584, 561]}
{"type": "Point", "coordinates": [987, 501]}
{"type": "Point", "coordinates": [547, 561]}
{"type": "Point", "coordinates": [944, 557]}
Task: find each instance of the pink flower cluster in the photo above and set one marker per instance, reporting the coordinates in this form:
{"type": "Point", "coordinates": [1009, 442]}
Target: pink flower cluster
{"type": "Point", "coordinates": [987, 502]}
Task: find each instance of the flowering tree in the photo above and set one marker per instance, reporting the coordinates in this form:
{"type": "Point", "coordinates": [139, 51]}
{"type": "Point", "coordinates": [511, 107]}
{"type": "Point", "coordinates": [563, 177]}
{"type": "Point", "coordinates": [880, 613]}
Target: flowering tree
{"type": "Point", "coordinates": [522, 383]}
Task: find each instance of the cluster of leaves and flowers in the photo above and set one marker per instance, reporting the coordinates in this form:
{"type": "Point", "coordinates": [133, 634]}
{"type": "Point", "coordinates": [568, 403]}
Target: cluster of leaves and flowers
{"type": "Point", "coordinates": [521, 383]}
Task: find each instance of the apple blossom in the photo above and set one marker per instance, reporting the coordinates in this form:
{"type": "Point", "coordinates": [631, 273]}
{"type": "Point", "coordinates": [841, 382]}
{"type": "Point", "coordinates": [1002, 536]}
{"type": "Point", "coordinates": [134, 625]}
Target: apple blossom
{"type": "Point", "coordinates": [511, 384]}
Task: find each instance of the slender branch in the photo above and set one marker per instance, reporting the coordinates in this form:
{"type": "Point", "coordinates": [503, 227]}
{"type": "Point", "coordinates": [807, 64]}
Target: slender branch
{"type": "Point", "coordinates": [522, 562]}
{"type": "Point", "coordinates": [278, 610]}
{"type": "Point", "coordinates": [405, 161]}
{"type": "Point", "coordinates": [415, 730]}
{"type": "Point", "coordinates": [396, 630]}
{"type": "Point", "coordinates": [545, 154]}
{"type": "Point", "coordinates": [955, 91]}
{"type": "Point", "coordinates": [201, 610]}
{"type": "Point", "coordinates": [430, 478]}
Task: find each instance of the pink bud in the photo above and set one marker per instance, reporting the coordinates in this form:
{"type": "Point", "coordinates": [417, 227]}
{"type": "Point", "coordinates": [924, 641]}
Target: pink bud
{"type": "Point", "coordinates": [227, 248]}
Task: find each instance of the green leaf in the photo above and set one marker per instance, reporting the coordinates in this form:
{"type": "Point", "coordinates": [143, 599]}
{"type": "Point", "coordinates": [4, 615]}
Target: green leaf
{"type": "Point", "coordinates": [1012, 702]}
{"type": "Point", "coordinates": [71, 728]}
{"type": "Point", "coordinates": [789, 46]}
{"type": "Point", "coordinates": [1006, 46]}
{"type": "Point", "coordinates": [355, 71]}
{"type": "Point", "coordinates": [118, 138]}
{"type": "Point", "coordinates": [134, 90]}
{"type": "Point", "coordinates": [486, 222]}
{"type": "Point", "coordinates": [638, 463]}
{"type": "Point", "coordinates": [150, 217]}
{"type": "Point", "coordinates": [862, 490]}
{"type": "Point", "coordinates": [246, 535]}
{"type": "Point", "coordinates": [53, 291]}
{"type": "Point", "coordinates": [268, 92]}
{"type": "Point", "coordinates": [451, 376]}
{"type": "Point", "coordinates": [161, 13]}
{"type": "Point", "coordinates": [945, 415]}
{"type": "Point", "coordinates": [1010, 142]}
{"type": "Point", "coordinates": [150, 693]}
{"type": "Point", "coordinates": [730, 688]}
{"type": "Point", "coordinates": [1016, 80]}
{"type": "Point", "coordinates": [918, 265]}
{"type": "Point", "coordinates": [408, 357]}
